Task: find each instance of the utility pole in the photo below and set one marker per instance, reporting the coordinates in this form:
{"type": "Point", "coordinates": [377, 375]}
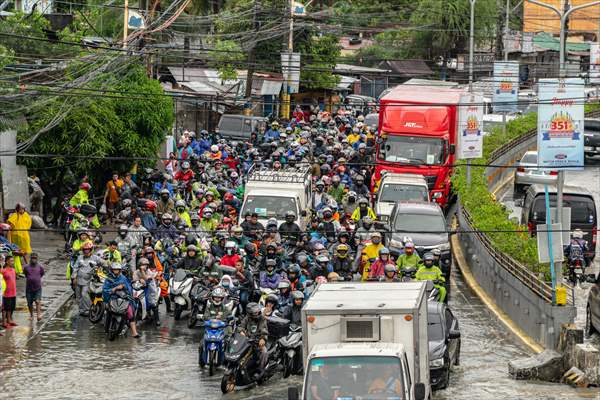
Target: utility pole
{"type": "Point", "coordinates": [125, 22]}
{"type": "Point", "coordinates": [252, 54]}
{"type": "Point", "coordinates": [285, 96]}
{"type": "Point", "coordinates": [506, 30]}
{"type": "Point", "coordinates": [563, 14]}
{"type": "Point", "coordinates": [471, 50]}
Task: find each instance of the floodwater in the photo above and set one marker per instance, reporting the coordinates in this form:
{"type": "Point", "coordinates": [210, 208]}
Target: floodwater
{"type": "Point", "coordinates": [71, 359]}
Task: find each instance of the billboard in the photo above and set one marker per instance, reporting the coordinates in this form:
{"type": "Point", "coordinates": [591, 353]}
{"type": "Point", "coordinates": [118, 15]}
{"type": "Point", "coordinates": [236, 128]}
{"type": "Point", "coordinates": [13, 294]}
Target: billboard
{"type": "Point", "coordinates": [560, 123]}
{"type": "Point", "coordinates": [506, 86]}
{"type": "Point", "coordinates": [470, 126]}
{"type": "Point", "coordinates": [595, 63]}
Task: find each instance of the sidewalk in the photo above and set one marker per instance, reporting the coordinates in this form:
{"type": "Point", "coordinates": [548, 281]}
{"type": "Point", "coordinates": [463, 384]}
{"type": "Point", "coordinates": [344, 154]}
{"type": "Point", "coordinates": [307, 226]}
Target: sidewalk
{"type": "Point", "coordinates": [55, 292]}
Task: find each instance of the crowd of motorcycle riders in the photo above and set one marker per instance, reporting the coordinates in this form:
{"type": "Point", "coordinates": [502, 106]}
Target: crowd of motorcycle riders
{"type": "Point", "coordinates": [174, 238]}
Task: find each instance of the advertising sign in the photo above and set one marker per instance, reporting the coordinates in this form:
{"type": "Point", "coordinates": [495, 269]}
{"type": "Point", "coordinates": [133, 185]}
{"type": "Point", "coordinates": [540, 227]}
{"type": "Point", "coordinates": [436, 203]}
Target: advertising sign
{"type": "Point", "coordinates": [560, 123]}
{"type": "Point", "coordinates": [470, 126]}
{"type": "Point", "coordinates": [290, 68]}
{"type": "Point", "coordinates": [506, 86]}
{"type": "Point", "coordinates": [595, 63]}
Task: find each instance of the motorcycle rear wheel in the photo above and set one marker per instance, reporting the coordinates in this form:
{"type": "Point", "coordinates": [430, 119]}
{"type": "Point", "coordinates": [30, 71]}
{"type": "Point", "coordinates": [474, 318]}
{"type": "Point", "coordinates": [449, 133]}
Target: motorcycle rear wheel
{"type": "Point", "coordinates": [228, 383]}
{"type": "Point", "coordinates": [113, 329]}
{"type": "Point", "coordinates": [96, 312]}
{"type": "Point", "coordinates": [287, 366]}
{"type": "Point", "coordinates": [211, 363]}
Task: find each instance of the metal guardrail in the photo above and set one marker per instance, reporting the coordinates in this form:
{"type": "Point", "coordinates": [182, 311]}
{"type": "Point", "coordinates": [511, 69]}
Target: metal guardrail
{"type": "Point", "coordinates": [518, 270]}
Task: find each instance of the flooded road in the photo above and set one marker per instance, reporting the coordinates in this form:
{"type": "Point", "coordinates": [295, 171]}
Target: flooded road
{"type": "Point", "coordinates": [71, 359]}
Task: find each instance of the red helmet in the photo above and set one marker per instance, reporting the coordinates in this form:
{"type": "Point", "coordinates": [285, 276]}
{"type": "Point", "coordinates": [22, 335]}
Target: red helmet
{"type": "Point", "coordinates": [85, 186]}
{"type": "Point", "coordinates": [150, 205]}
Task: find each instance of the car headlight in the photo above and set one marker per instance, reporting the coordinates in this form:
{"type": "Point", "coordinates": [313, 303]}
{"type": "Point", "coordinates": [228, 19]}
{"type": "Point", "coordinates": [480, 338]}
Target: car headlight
{"type": "Point", "coordinates": [444, 247]}
{"type": "Point", "coordinates": [437, 363]}
{"type": "Point", "coordinates": [396, 243]}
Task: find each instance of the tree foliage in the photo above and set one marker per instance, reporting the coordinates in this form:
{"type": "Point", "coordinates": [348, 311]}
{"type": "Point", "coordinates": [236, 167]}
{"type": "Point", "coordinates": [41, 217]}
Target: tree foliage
{"type": "Point", "coordinates": [133, 124]}
{"type": "Point", "coordinates": [320, 54]}
{"type": "Point", "coordinates": [225, 57]}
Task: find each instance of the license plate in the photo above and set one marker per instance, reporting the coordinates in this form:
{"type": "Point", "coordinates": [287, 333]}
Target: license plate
{"type": "Point", "coordinates": [578, 271]}
{"type": "Point", "coordinates": [588, 148]}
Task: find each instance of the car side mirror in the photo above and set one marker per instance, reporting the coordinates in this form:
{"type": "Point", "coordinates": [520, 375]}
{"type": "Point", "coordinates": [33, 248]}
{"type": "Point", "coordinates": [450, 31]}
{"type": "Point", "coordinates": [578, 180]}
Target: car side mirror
{"type": "Point", "coordinates": [454, 334]}
{"type": "Point", "coordinates": [452, 149]}
{"type": "Point", "coordinates": [293, 393]}
{"type": "Point", "coordinates": [419, 391]}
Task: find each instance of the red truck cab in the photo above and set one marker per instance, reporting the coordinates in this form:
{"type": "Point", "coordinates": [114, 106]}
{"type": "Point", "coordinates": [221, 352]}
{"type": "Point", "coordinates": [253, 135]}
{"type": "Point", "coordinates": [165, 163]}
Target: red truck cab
{"type": "Point", "coordinates": [418, 135]}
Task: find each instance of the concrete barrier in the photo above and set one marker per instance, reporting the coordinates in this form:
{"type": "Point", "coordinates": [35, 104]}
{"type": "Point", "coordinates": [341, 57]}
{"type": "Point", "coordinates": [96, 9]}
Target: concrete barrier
{"type": "Point", "coordinates": [517, 292]}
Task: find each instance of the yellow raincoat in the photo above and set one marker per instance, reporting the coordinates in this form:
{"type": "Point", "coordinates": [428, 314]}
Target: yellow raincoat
{"type": "Point", "coordinates": [19, 234]}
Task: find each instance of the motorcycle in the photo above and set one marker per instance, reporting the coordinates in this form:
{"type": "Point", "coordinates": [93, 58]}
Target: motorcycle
{"type": "Point", "coordinates": [139, 297]}
{"type": "Point", "coordinates": [576, 271]}
{"type": "Point", "coordinates": [199, 296]}
{"type": "Point", "coordinates": [409, 274]}
{"type": "Point", "coordinates": [264, 292]}
{"type": "Point", "coordinates": [291, 351]}
{"type": "Point", "coordinates": [96, 286]}
{"type": "Point", "coordinates": [116, 315]}
{"type": "Point", "coordinates": [180, 285]}
{"type": "Point", "coordinates": [212, 349]}
{"type": "Point", "coordinates": [242, 367]}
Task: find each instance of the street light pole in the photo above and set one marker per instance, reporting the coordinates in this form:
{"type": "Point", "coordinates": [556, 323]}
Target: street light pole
{"type": "Point", "coordinates": [471, 51]}
{"type": "Point", "coordinates": [506, 31]}
{"type": "Point", "coordinates": [563, 14]}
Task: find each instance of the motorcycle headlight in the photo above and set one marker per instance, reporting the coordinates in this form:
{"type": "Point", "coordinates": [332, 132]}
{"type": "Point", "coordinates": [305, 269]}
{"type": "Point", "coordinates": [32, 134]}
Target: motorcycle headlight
{"type": "Point", "coordinates": [444, 247]}
{"type": "Point", "coordinates": [437, 363]}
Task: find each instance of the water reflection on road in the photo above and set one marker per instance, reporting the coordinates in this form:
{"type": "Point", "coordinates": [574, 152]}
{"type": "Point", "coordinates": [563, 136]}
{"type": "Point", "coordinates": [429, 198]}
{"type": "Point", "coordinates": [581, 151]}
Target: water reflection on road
{"type": "Point", "coordinates": [72, 360]}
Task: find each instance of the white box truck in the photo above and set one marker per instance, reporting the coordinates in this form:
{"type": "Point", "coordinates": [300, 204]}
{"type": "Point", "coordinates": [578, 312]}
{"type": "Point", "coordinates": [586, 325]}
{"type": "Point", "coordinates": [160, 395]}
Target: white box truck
{"type": "Point", "coordinates": [270, 194]}
{"type": "Point", "coordinates": [365, 340]}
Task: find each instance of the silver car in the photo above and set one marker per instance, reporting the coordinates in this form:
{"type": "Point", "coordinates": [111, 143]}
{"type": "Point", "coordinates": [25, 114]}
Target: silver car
{"type": "Point", "coordinates": [527, 172]}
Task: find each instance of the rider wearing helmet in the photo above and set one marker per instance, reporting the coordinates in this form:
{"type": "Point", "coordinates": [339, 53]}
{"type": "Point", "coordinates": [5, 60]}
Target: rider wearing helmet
{"type": "Point", "coordinates": [237, 236]}
{"type": "Point", "coordinates": [269, 278]}
{"type": "Point", "coordinates": [390, 273]}
{"type": "Point", "coordinates": [370, 253]}
{"type": "Point", "coordinates": [293, 312]}
{"type": "Point", "coordinates": [333, 277]}
{"type": "Point", "coordinates": [254, 326]}
{"type": "Point", "coordinates": [322, 266]}
{"type": "Point", "coordinates": [182, 214]}
{"type": "Point", "coordinates": [295, 277]}
{"type": "Point", "coordinates": [208, 222]}
{"type": "Point", "coordinates": [81, 276]}
{"type": "Point", "coordinates": [410, 258]}
{"type": "Point", "coordinates": [377, 268]}
{"type": "Point", "coordinates": [363, 210]}
{"type": "Point", "coordinates": [81, 197]}
{"type": "Point", "coordinates": [165, 204]}
{"type": "Point", "coordinates": [290, 229]}
{"type": "Point", "coordinates": [167, 229]}
{"type": "Point", "coordinates": [119, 282]}
{"type": "Point", "coordinates": [191, 261]}
{"type": "Point", "coordinates": [215, 308]}
{"type": "Point", "coordinates": [271, 305]}
{"type": "Point", "coordinates": [429, 272]}
{"type": "Point", "coordinates": [342, 262]}
{"type": "Point", "coordinates": [437, 254]}
{"type": "Point", "coordinates": [185, 174]}
{"type": "Point", "coordinates": [285, 291]}
{"type": "Point", "coordinates": [231, 254]}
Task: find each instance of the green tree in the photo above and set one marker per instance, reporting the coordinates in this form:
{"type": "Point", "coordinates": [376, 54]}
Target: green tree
{"type": "Point", "coordinates": [446, 25]}
{"type": "Point", "coordinates": [388, 45]}
{"type": "Point", "coordinates": [320, 54]}
{"type": "Point", "coordinates": [224, 57]}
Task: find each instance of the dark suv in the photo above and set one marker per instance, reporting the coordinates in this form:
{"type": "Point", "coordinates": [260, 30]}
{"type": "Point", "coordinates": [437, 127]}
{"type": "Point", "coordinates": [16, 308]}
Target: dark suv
{"type": "Point", "coordinates": [425, 224]}
{"type": "Point", "coordinates": [591, 139]}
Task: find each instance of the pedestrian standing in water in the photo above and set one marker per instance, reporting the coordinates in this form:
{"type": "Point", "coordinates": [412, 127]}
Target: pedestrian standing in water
{"type": "Point", "coordinates": [9, 298]}
{"type": "Point", "coordinates": [34, 271]}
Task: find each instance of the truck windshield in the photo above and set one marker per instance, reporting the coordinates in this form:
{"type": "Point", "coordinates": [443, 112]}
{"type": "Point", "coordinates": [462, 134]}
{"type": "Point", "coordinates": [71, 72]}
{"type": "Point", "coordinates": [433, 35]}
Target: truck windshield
{"type": "Point", "coordinates": [412, 150]}
{"type": "Point", "coordinates": [269, 206]}
{"type": "Point", "coordinates": [392, 192]}
{"type": "Point", "coordinates": [420, 223]}
{"type": "Point", "coordinates": [360, 377]}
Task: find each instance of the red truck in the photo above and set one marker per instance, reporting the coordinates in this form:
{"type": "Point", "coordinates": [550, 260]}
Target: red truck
{"type": "Point", "coordinates": [418, 135]}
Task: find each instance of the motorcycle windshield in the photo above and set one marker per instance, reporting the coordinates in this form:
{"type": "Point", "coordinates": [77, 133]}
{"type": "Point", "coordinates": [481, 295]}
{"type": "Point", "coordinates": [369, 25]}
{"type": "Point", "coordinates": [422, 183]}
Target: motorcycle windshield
{"type": "Point", "coordinates": [180, 275]}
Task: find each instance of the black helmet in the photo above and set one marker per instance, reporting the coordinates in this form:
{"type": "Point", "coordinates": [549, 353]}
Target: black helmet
{"type": "Point", "coordinates": [190, 239]}
{"type": "Point", "coordinates": [390, 268]}
{"type": "Point", "coordinates": [290, 215]}
{"type": "Point", "coordinates": [253, 310]}
{"type": "Point", "coordinates": [272, 298]}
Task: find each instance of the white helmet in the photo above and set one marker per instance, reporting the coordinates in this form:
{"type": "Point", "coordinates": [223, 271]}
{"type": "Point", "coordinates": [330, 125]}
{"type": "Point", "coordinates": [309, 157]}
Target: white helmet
{"type": "Point", "coordinates": [577, 234]}
{"type": "Point", "coordinates": [214, 148]}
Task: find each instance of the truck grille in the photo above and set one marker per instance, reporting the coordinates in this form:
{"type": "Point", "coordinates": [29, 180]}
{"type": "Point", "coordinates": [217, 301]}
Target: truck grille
{"type": "Point", "coordinates": [360, 329]}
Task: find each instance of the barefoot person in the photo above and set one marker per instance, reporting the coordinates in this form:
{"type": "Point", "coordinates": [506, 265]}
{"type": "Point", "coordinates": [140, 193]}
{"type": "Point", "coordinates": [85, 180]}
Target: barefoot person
{"type": "Point", "coordinates": [34, 272]}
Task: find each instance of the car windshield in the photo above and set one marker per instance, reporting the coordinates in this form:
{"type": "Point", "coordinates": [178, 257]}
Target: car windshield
{"type": "Point", "coordinates": [269, 206]}
{"type": "Point", "coordinates": [361, 377]}
{"type": "Point", "coordinates": [392, 192]}
{"type": "Point", "coordinates": [420, 223]}
{"type": "Point", "coordinates": [411, 150]}
{"type": "Point", "coordinates": [435, 330]}
{"type": "Point", "coordinates": [583, 210]}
